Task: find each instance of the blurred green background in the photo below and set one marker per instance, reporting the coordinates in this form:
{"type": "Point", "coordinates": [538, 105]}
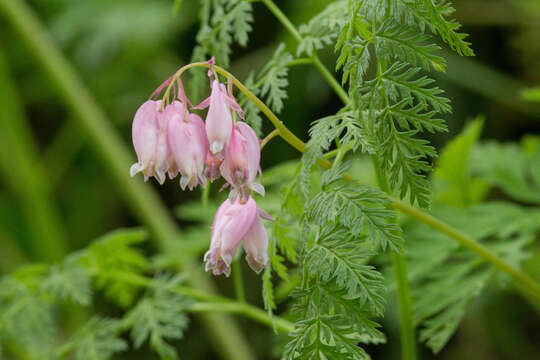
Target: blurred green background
{"type": "Point", "coordinates": [56, 195]}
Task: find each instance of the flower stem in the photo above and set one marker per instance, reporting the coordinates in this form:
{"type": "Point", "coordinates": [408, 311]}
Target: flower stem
{"type": "Point", "coordinates": [269, 137]}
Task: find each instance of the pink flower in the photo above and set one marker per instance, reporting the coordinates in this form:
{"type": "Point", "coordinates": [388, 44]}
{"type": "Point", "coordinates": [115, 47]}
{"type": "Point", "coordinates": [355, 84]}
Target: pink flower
{"type": "Point", "coordinates": [189, 145]}
{"type": "Point", "coordinates": [242, 162]}
{"type": "Point", "coordinates": [149, 133]}
{"type": "Point", "coordinates": [219, 119]}
{"type": "Point", "coordinates": [213, 162]}
{"type": "Point", "coordinates": [234, 223]}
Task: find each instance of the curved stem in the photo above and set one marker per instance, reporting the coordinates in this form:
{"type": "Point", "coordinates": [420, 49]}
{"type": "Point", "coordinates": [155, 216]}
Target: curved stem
{"type": "Point", "coordinates": [210, 302]}
{"type": "Point", "coordinates": [269, 137]}
{"type": "Point", "coordinates": [314, 58]}
{"type": "Point", "coordinates": [245, 310]}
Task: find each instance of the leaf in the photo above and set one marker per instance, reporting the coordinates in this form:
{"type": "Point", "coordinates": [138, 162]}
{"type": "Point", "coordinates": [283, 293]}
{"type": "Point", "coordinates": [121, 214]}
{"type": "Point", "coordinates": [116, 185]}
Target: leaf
{"type": "Point", "coordinates": [159, 316]}
{"type": "Point", "coordinates": [404, 43]}
{"type": "Point", "coordinates": [273, 79]}
{"type": "Point", "coordinates": [69, 281]}
{"type": "Point", "coordinates": [453, 181]}
{"type": "Point", "coordinates": [26, 317]}
{"type": "Point", "coordinates": [337, 256]}
{"type": "Point", "coordinates": [509, 168]}
{"type": "Point", "coordinates": [115, 251]}
{"type": "Point", "coordinates": [362, 210]}
{"type": "Point", "coordinates": [322, 29]}
{"type": "Point", "coordinates": [97, 340]}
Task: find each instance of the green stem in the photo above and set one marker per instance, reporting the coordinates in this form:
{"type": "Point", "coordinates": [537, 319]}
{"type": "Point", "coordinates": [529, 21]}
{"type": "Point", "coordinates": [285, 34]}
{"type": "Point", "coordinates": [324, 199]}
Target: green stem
{"type": "Point", "coordinates": [238, 282]}
{"type": "Point", "coordinates": [116, 159]}
{"type": "Point", "coordinates": [300, 61]}
{"type": "Point", "coordinates": [399, 263]}
{"type": "Point", "coordinates": [210, 302]}
{"type": "Point", "coordinates": [526, 284]}
{"type": "Point", "coordinates": [269, 137]}
{"type": "Point", "coordinates": [314, 58]}
{"type": "Point", "coordinates": [245, 310]}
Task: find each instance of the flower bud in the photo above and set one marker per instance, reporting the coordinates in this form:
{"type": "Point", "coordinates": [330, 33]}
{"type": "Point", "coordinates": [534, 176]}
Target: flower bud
{"type": "Point", "coordinates": [189, 145]}
{"type": "Point", "coordinates": [218, 119]}
{"type": "Point", "coordinates": [242, 161]}
{"type": "Point", "coordinates": [149, 134]}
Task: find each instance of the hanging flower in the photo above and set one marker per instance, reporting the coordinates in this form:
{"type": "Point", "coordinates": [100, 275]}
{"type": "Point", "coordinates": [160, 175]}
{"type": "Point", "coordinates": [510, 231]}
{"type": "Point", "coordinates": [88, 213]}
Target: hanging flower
{"type": "Point", "coordinates": [219, 119]}
{"type": "Point", "coordinates": [242, 162]}
{"type": "Point", "coordinates": [189, 145]}
{"type": "Point", "coordinates": [234, 223]}
{"type": "Point", "coordinates": [149, 134]}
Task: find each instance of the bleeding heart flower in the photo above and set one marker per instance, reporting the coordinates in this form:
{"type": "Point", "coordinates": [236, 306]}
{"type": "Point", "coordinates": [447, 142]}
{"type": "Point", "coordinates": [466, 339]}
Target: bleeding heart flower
{"type": "Point", "coordinates": [149, 133]}
{"type": "Point", "coordinates": [237, 222]}
{"type": "Point", "coordinates": [242, 162]}
{"type": "Point", "coordinates": [189, 145]}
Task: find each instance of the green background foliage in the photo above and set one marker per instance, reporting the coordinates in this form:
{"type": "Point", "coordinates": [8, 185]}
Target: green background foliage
{"type": "Point", "coordinates": [69, 291]}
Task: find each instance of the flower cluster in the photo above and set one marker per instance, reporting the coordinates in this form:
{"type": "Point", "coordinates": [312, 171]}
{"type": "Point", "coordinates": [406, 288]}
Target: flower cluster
{"type": "Point", "coordinates": [168, 139]}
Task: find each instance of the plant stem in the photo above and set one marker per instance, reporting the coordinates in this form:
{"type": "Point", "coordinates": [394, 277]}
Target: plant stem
{"type": "Point", "coordinates": [269, 137]}
{"type": "Point", "coordinates": [245, 310]}
{"type": "Point", "coordinates": [144, 202]}
{"type": "Point", "coordinates": [210, 302]}
{"type": "Point", "coordinates": [399, 263]}
{"type": "Point", "coordinates": [238, 282]}
{"type": "Point", "coordinates": [300, 61]}
{"type": "Point", "coordinates": [524, 282]}
{"type": "Point", "coordinates": [314, 57]}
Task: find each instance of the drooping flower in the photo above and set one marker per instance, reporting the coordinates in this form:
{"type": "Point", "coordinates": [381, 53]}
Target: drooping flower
{"type": "Point", "coordinates": [149, 134]}
{"type": "Point", "coordinates": [242, 162]}
{"type": "Point", "coordinates": [219, 119]}
{"type": "Point", "coordinates": [234, 223]}
{"type": "Point", "coordinates": [213, 162]}
{"type": "Point", "coordinates": [189, 145]}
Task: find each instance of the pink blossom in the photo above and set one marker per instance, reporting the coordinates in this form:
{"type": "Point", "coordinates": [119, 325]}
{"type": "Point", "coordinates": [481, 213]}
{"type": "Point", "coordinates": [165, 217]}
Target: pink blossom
{"type": "Point", "coordinates": [219, 120]}
{"type": "Point", "coordinates": [149, 133]}
{"type": "Point", "coordinates": [242, 161]}
{"type": "Point", "coordinates": [213, 162]}
{"type": "Point", "coordinates": [234, 223]}
{"type": "Point", "coordinates": [189, 145]}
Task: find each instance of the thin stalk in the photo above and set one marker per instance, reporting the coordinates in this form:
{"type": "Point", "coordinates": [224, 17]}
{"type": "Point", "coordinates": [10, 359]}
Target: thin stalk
{"type": "Point", "coordinates": [245, 310]}
{"type": "Point", "coordinates": [238, 281]}
{"type": "Point", "coordinates": [210, 302]}
{"type": "Point", "coordinates": [269, 137]}
{"type": "Point", "coordinates": [116, 159]}
{"type": "Point", "coordinates": [315, 58]}
{"type": "Point", "coordinates": [300, 61]}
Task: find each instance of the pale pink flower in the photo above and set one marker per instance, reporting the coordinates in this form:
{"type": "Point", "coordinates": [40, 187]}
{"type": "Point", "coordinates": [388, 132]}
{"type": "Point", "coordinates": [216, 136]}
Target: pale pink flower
{"type": "Point", "coordinates": [219, 119]}
{"type": "Point", "coordinates": [234, 223]}
{"type": "Point", "coordinates": [242, 162]}
{"type": "Point", "coordinates": [149, 133]}
{"type": "Point", "coordinates": [213, 162]}
{"type": "Point", "coordinates": [189, 145]}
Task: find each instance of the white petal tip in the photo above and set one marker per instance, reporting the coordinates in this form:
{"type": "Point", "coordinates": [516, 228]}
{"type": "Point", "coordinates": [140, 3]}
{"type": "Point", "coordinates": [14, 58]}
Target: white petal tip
{"type": "Point", "coordinates": [135, 169]}
{"type": "Point", "coordinates": [216, 147]}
